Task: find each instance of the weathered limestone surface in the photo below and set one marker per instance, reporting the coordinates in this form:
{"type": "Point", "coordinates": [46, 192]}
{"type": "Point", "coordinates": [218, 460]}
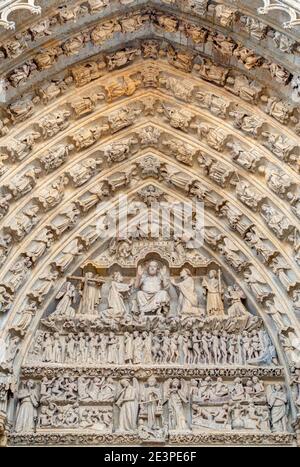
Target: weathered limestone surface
{"type": "Point", "coordinates": [153, 337]}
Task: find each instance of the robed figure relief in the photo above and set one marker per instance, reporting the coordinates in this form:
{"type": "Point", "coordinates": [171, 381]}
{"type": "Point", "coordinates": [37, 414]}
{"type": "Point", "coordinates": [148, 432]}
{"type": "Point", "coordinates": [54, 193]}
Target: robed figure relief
{"type": "Point", "coordinates": [117, 294]}
{"type": "Point", "coordinates": [90, 293]}
{"type": "Point", "coordinates": [151, 284]}
{"type": "Point", "coordinates": [213, 289]}
{"type": "Point", "coordinates": [151, 406]}
{"type": "Point", "coordinates": [177, 397]}
{"type": "Point", "coordinates": [235, 295]}
{"type": "Point", "coordinates": [127, 402]}
{"type": "Point", "coordinates": [277, 400]}
{"type": "Point", "coordinates": [187, 296]}
{"type": "Point", "coordinates": [66, 297]}
{"type": "Point", "coordinates": [27, 408]}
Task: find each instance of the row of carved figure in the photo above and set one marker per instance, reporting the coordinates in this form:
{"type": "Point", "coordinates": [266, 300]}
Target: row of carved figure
{"type": "Point", "coordinates": [162, 347]}
{"type": "Point", "coordinates": [277, 222]}
{"type": "Point", "coordinates": [50, 196]}
{"type": "Point", "coordinates": [153, 291]}
{"type": "Point", "coordinates": [71, 13]}
{"type": "Point", "coordinates": [225, 15]}
{"type": "Point", "coordinates": [282, 146]}
{"type": "Point", "coordinates": [24, 222]}
{"type": "Point", "coordinates": [151, 76]}
{"type": "Point", "coordinates": [154, 406]}
{"type": "Point", "coordinates": [117, 305]}
{"type": "Point", "coordinates": [226, 45]}
{"type": "Point", "coordinates": [221, 173]}
{"type": "Point", "coordinates": [101, 389]}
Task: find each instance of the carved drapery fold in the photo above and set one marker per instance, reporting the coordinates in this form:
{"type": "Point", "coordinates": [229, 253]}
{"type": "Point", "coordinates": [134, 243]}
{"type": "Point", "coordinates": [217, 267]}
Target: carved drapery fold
{"type": "Point", "coordinates": [158, 121]}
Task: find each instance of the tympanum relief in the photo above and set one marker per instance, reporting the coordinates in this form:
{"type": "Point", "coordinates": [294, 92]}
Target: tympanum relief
{"type": "Point", "coordinates": [149, 339]}
{"type": "Point", "coordinates": [133, 350]}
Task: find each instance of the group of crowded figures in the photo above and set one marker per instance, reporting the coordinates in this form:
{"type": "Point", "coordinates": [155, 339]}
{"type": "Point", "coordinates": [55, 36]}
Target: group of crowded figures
{"type": "Point", "coordinates": [72, 389]}
{"type": "Point", "coordinates": [152, 406]}
{"type": "Point", "coordinates": [191, 347]}
{"type": "Point", "coordinates": [73, 416]}
{"type": "Point", "coordinates": [153, 292]}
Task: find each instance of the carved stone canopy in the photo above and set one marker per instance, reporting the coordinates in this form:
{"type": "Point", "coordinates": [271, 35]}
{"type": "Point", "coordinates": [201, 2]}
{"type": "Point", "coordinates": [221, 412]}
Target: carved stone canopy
{"type": "Point", "coordinates": [147, 254]}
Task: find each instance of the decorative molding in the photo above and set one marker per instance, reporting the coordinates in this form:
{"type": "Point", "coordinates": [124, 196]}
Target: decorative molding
{"type": "Point", "coordinates": [288, 6]}
{"type": "Point", "coordinates": [125, 439]}
{"type": "Point", "coordinates": [9, 6]}
{"type": "Point", "coordinates": [138, 371]}
{"type": "Point", "coordinates": [190, 117]}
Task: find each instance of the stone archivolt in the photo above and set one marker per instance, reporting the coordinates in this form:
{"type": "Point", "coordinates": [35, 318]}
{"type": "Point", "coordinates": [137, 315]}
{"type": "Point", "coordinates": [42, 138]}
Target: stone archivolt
{"type": "Point", "coordinates": [77, 321]}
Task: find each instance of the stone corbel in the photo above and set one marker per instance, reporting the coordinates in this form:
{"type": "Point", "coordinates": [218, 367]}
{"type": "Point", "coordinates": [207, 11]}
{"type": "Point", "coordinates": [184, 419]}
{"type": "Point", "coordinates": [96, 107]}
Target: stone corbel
{"type": "Point", "coordinates": [8, 6]}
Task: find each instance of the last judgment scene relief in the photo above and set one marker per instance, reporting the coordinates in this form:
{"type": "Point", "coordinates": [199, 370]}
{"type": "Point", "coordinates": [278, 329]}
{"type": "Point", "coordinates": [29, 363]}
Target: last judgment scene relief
{"type": "Point", "coordinates": [149, 223]}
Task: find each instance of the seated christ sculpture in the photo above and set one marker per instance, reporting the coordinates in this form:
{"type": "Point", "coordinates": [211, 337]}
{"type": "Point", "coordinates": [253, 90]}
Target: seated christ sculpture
{"type": "Point", "coordinates": [151, 284]}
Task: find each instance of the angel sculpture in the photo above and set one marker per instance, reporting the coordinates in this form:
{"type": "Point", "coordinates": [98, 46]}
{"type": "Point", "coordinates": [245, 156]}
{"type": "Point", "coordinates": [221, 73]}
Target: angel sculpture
{"type": "Point", "coordinates": [152, 296]}
{"type": "Point", "coordinates": [73, 249]}
{"type": "Point", "coordinates": [188, 300]}
{"type": "Point", "coordinates": [177, 396]}
{"type": "Point", "coordinates": [235, 295]}
{"type": "Point", "coordinates": [67, 296]}
{"type": "Point", "coordinates": [46, 282]}
{"type": "Point", "coordinates": [127, 402]}
{"type": "Point", "coordinates": [25, 318]}
{"type": "Point", "coordinates": [257, 284]}
{"type": "Point", "coordinates": [233, 255]}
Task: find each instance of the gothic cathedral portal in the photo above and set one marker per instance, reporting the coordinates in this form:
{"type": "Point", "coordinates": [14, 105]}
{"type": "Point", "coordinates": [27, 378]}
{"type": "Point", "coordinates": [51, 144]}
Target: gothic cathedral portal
{"type": "Point", "coordinates": [149, 223]}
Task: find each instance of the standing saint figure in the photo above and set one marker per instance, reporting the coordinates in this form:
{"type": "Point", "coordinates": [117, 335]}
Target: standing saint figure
{"type": "Point", "coordinates": [127, 401]}
{"type": "Point", "coordinates": [213, 289]}
{"type": "Point", "coordinates": [90, 292]}
{"type": "Point", "coordinates": [152, 296]}
{"type": "Point", "coordinates": [177, 397]}
{"type": "Point", "coordinates": [67, 296]}
{"type": "Point", "coordinates": [188, 300]}
{"type": "Point", "coordinates": [27, 409]}
{"type": "Point", "coordinates": [128, 348]}
{"type": "Point", "coordinates": [277, 400]}
{"type": "Point", "coordinates": [152, 404]}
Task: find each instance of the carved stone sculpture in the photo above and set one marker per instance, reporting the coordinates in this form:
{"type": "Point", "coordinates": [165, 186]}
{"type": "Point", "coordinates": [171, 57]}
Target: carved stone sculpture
{"type": "Point", "coordinates": [26, 411]}
{"type": "Point", "coordinates": [188, 301]}
{"type": "Point", "coordinates": [152, 296]}
{"type": "Point", "coordinates": [214, 290]}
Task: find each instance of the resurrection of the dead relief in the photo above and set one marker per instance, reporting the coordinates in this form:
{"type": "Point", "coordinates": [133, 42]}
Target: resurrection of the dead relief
{"type": "Point", "coordinates": [149, 338]}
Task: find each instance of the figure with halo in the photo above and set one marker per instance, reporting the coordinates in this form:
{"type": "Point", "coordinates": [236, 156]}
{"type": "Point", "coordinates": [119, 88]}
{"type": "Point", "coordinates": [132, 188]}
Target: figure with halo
{"type": "Point", "coordinates": [151, 284]}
